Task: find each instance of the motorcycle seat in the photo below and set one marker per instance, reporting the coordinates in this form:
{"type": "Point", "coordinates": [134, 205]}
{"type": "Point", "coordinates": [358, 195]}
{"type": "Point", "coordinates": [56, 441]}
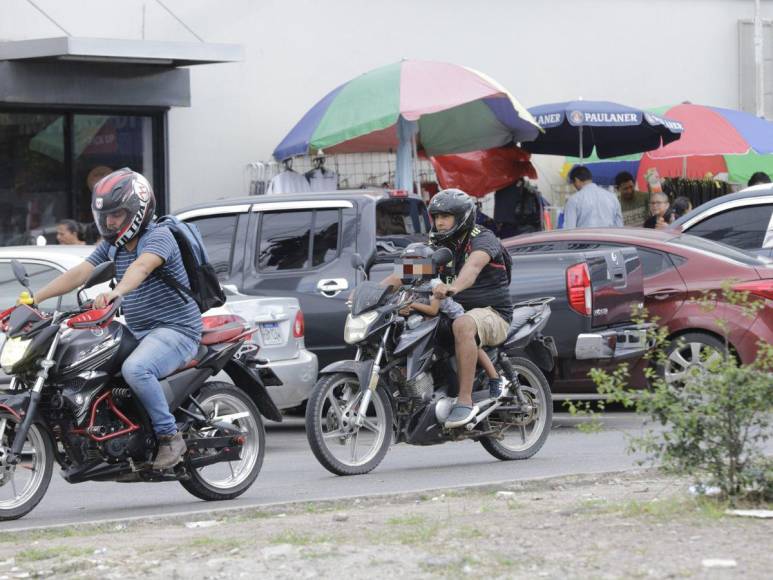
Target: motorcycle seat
{"type": "Point", "coordinates": [220, 334]}
{"type": "Point", "coordinates": [521, 317]}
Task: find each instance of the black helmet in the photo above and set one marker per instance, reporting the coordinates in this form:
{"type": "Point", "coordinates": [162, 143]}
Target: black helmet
{"type": "Point", "coordinates": [415, 263]}
{"type": "Point", "coordinates": [458, 204]}
{"type": "Point", "coordinates": [126, 190]}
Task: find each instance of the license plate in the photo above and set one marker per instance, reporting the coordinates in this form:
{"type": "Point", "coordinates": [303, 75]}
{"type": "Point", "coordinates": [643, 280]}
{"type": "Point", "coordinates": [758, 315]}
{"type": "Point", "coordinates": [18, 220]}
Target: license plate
{"type": "Point", "coordinates": [270, 333]}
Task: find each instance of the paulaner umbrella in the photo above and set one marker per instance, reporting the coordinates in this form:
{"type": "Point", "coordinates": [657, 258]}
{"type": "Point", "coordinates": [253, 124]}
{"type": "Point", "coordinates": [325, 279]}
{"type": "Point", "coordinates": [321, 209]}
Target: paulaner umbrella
{"type": "Point", "coordinates": [439, 107]}
{"type": "Point", "coordinates": [577, 127]}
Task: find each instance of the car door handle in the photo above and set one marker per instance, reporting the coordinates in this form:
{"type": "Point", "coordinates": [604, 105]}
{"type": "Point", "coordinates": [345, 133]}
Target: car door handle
{"type": "Point", "coordinates": [662, 294]}
{"type": "Point", "coordinates": [331, 287]}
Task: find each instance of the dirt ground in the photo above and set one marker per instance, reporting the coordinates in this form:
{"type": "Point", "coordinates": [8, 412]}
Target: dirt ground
{"type": "Point", "coordinates": [636, 525]}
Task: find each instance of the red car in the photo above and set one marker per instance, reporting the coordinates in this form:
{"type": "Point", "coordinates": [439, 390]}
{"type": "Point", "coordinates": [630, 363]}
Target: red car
{"type": "Point", "coordinates": [677, 269]}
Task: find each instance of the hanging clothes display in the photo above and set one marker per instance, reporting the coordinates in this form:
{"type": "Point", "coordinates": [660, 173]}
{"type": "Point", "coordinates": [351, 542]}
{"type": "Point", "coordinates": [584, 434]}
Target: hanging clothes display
{"type": "Point", "coordinates": [698, 191]}
{"type": "Point", "coordinates": [288, 181]}
{"type": "Point", "coordinates": [321, 179]}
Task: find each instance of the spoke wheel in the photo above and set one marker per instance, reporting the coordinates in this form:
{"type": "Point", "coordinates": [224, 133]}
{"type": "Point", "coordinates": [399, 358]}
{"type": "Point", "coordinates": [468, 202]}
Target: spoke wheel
{"type": "Point", "coordinates": [23, 485]}
{"type": "Point", "coordinates": [690, 355]}
{"type": "Point", "coordinates": [345, 438]}
{"type": "Point", "coordinates": [227, 479]}
{"type": "Point", "coordinates": [521, 435]}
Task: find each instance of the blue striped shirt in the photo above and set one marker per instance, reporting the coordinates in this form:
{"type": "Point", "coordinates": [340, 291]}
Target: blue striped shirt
{"type": "Point", "coordinates": [154, 304]}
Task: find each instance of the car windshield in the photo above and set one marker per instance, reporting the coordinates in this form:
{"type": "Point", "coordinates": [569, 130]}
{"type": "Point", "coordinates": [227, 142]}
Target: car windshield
{"type": "Point", "coordinates": [702, 244]}
{"type": "Point", "coordinates": [401, 217]}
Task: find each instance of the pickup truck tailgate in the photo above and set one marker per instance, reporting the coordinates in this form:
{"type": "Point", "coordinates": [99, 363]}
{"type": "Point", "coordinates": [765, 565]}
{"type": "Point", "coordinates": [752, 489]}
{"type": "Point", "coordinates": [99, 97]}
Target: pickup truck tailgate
{"type": "Point", "coordinates": [617, 284]}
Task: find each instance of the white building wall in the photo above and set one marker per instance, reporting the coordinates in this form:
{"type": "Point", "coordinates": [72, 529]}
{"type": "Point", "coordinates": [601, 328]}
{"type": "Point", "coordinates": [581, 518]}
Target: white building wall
{"type": "Point", "coordinates": [640, 52]}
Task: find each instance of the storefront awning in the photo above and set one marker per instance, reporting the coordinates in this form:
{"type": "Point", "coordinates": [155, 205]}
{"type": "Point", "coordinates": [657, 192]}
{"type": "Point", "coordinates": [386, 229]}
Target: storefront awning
{"type": "Point", "coordinates": [99, 72]}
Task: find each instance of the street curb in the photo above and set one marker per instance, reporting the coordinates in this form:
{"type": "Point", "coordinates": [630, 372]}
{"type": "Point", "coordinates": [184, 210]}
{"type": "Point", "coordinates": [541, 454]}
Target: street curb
{"type": "Point", "coordinates": [526, 484]}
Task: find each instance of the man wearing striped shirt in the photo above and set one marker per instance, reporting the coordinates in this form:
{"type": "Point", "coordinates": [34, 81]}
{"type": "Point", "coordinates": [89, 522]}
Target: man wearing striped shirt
{"type": "Point", "coordinates": [167, 324]}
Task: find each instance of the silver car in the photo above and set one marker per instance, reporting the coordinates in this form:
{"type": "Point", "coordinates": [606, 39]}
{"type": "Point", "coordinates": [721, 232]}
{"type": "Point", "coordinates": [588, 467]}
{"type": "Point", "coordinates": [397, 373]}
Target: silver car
{"type": "Point", "coordinates": [280, 333]}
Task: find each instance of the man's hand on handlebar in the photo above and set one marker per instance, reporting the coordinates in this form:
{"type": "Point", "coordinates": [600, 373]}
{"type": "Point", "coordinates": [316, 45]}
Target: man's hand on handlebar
{"type": "Point", "coordinates": [105, 298]}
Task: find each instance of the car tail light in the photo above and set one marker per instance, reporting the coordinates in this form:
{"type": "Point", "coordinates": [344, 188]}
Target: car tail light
{"type": "Point", "coordinates": [3, 318]}
{"type": "Point", "coordinates": [299, 326]}
{"type": "Point", "coordinates": [217, 320]}
{"type": "Point", "coordinates": [578, 289]}
{"type": "Point", "coordinates": [761, 288]}
{"type": "Point", "coordinates": [397, 193]}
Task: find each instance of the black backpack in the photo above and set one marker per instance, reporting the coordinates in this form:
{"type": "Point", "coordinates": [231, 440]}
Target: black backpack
{"type": "Point", "coordinates": [205, 288]}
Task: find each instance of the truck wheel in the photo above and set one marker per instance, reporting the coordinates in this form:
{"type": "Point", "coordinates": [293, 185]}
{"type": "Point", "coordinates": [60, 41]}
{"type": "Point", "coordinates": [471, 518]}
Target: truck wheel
{"type": "Point", "coordinates": [338, 443]}
{"type": "Point", "coordinates": [522, 435]}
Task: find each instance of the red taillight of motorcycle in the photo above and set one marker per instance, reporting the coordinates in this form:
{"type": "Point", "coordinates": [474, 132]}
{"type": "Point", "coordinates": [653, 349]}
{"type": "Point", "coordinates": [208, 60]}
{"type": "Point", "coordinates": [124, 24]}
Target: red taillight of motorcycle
{"type": "Point", "coordinates": [761, 288]}
{"type": "Point", "coordinates": [217, 320]}
{"type": "Point", "coordinates": [578, 289]}
{"type": "Point", "coordinates": [299, 326]}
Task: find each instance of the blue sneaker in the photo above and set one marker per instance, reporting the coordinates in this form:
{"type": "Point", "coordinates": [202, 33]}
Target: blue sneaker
{"type": "Point", "coordinates": [461, 415]}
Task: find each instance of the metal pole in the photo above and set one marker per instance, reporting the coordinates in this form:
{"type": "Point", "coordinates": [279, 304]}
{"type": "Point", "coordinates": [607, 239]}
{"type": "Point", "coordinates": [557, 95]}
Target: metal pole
{"type": "Point", "coordinates": [759, 63]}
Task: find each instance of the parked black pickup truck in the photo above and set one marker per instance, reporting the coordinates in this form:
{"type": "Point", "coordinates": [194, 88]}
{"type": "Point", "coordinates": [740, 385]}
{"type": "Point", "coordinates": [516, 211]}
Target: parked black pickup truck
{"type": "Point", "coordinates": [301, 245]}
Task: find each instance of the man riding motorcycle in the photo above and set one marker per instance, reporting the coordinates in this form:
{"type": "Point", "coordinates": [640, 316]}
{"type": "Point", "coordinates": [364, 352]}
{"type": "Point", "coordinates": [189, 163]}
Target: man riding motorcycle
{"type": "Point", "coordinates": [481, 286]}
{"type": "Point", "coordinates": [167, 325]}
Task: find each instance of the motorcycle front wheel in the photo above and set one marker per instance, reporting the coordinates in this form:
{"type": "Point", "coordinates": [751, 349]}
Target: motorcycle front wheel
{"type": "Point", "coordinates": [24, 484]}
{"type": "Point", "coordinates": [521, 435]}
{"type": "Point", "coordinates": [345, 438]}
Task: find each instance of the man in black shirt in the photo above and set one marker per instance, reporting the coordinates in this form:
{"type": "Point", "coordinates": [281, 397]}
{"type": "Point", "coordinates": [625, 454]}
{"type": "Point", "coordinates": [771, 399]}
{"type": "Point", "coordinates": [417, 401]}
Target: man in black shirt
{"type": "Point", "coordinates": [481, 287]}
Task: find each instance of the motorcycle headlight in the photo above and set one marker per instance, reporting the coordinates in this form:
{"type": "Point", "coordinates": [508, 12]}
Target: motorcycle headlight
{"type": "Point", "coordinates": [357, 326]}
{"type": "Point", "coordinates": [13, 351]}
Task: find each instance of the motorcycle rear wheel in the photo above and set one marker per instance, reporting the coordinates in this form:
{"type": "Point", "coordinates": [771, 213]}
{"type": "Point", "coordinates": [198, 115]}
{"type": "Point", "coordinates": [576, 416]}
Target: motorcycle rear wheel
{"type": "Point", "coordinates": [337, 442]}
{"type": "Point", "coordinates": [528, 432]}
{"type": "Point", "coordinates": [228, 479]}
{"type": "Point", "coordinates": [19, 495]}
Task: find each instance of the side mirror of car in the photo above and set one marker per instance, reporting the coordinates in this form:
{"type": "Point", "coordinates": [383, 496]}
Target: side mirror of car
{"type": "Point", "coordinates": [357, 262]}
{"type": "Point", "coordinates": [21, 273]}
{"type": "Point", "coordinates": [442, 256]}
{"type": "Point", "coordinates": [102, 273]}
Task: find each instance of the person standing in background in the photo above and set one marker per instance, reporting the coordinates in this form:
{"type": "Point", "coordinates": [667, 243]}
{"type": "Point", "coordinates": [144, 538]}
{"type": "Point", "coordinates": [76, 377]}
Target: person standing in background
{"type": "Point", "coordinates": [592, 206]}
{"type": "Point", "coordinates": [632, 203]}
{"type": "Point", "coordinates": [758, 178]}
{"type": "Point", "coordinates": [658, 209]}
{"type": "Point", "coordinates": [68, 233]}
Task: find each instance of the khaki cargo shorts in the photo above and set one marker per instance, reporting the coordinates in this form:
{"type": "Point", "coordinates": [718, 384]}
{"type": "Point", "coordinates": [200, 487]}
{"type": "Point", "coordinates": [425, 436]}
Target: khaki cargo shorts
{"type": "Point", "coordinates": [492, 328]}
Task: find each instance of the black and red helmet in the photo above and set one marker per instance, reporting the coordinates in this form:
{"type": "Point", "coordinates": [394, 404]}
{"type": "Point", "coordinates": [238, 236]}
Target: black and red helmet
{"type": "Point", "coordinates": [126, 191]}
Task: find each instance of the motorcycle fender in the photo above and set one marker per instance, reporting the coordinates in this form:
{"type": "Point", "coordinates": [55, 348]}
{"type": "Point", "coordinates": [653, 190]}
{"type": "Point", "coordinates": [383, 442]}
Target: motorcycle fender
{"type": "Point", "coordinates": [14, 405]}
{"type": "Point", "coordinates": [361, 369]}
{"type": "Point", "coordinates": [248, 381]}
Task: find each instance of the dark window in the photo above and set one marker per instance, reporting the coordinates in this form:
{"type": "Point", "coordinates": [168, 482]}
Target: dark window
{"type": "Point", "coordinates": [218, 235]}
{"type": "Point", "coordinates": [325, 243]}
{"type": "Point", "coordinates": [537, 248]}
{"type": "Point", "coordinates": [397, 217]}
{"type": "Point", "coordinates": [653, 262]}
{"type": "Point", "coordinates": [284, 240]}
{"type": "Point", "coordinates": [711, 247]}
{"type": "Point", "coordinates": [742, 227]}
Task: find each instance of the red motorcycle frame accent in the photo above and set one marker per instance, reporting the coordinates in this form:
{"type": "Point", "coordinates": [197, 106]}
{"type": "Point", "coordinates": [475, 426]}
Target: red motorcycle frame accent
{"type": "Point", "coordinates": [130, 426]}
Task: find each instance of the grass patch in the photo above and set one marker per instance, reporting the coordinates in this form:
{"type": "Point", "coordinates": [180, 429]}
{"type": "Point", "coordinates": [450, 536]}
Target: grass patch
{"type": "Point", "coordinates": [36, 554]}
{"type": "Point", "coordinates": [407, 521]}
{"type": "Point", "coordinates": [213, 542]}
{"type": "Point", "coordinates": [660, 509]}
{"type": "Point", "coordinates": [297, 538]}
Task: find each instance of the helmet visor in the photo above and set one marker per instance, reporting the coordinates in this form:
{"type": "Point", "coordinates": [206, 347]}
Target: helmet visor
{"type": "Point", "coordinates": [112, 223]}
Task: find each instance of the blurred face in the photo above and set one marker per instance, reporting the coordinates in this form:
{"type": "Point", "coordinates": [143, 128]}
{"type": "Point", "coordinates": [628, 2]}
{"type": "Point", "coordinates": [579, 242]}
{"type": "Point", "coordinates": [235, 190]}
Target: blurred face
{"type": "Point", "coordinates": [116, 219]}
{"type": "Point", "coordinates": [626, 189]}
{"type": "Point", "coordinates": [444, 221]}
{"type": "Point", "coordinates": [658, 204]}
{"type": "Point", "coordinates": [65, 236]}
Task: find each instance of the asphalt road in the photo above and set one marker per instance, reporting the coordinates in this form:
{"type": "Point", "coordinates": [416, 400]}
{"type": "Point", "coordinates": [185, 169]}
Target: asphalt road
{"type": "Point", "coordinates": [291, 473]}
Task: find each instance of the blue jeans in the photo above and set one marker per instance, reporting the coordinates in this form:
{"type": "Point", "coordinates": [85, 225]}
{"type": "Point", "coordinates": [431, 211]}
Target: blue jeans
{"type": "Point", "coordinates": [159, 353]}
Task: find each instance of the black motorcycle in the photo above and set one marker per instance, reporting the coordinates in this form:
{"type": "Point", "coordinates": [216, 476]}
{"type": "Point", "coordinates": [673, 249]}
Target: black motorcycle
{"type": "Point", "coordinates": [68, 402]}
{"type": "Point", "coordinates": [402, 384]}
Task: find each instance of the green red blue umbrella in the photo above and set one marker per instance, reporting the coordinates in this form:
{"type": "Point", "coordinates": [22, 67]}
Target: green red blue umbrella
{"type": "Point", "coordinates": [455, 109]}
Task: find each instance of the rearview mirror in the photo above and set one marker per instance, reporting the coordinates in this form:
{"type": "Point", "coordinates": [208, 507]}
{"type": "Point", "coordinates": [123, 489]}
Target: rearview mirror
{"type": "Point", "coordinates": [442, 256]}
{"type": "Point", "coordinates": [21, 273]}
{"type": "Point", "coordinates": [102, 273]}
